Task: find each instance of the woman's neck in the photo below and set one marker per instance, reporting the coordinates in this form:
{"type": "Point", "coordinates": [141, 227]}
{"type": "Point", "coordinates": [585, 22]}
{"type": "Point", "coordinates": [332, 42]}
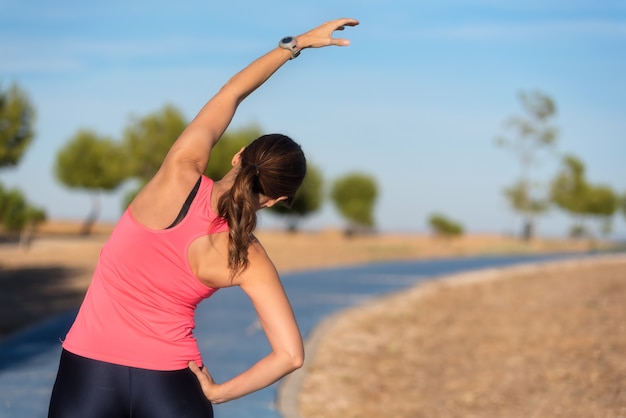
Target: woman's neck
{"type": "Point", "coordinates": [222, 186]}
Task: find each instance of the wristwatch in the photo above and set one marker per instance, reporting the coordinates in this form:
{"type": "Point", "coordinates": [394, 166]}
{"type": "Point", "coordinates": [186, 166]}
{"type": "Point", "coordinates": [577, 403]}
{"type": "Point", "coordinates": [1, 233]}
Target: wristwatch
{"type": "Point", "coordinates": [289, 42]}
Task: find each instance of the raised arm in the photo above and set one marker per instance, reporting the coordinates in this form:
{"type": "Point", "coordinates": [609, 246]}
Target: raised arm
{"type": "Point", "coordinates": [160, 200]}
{"type": "Point", "coordinates": [192, 149]}
{"type": "Point", "coordinates": [260, 280]}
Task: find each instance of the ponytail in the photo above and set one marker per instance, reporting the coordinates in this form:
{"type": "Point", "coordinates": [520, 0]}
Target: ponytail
{"type": "Point", "coordinates": [238, 206]}
{"type": "Point", "coordinates": [272, 165]}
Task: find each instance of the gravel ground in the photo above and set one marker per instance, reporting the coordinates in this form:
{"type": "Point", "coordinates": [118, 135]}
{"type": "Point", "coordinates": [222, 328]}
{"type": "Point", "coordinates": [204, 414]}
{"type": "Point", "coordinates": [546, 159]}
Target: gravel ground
{"type": "Point", "coordinates": [546, 341]}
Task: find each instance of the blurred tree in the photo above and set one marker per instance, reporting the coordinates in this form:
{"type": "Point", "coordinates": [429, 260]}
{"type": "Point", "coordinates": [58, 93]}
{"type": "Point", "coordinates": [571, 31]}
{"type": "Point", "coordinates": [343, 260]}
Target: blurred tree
{"type": "Point", "coordinates": [94, 163]}
{"type": "Point", "coordinates": [521, 199]}
{"type": "Point", "coordinates": [571, 192]}
{"type": "Point", "coordinates": [308, 199]}
{"type": "Point", "coordinates": [530, 134]}
{"type": "Point", "coordinates": [16, 125]}
{"type": "Point", "coordinates": [147, 140]}
{"type": "Point", "coordinates": [568, 187]}
{"type": "Point", "coordinates": [17, 117]}
{"type": "Point", "coordinates": [601, 202]}
{"type": "Point", "coordinates": [354, 195]}
{"type": "Point", "coordinates": [17, 215]}
{"type": "Point", "coordinates": [443, 226]}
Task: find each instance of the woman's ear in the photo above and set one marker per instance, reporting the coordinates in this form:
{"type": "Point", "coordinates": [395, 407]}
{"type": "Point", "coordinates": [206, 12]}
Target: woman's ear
{"type": "Point", "coordinates": [272, 202]}
{"type": "Point", "coordinates": [237, 157]}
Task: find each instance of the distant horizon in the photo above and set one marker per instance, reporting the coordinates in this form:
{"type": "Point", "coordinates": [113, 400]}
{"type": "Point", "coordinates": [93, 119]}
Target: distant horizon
{"type": "Point", "coordinates": [277, 227]}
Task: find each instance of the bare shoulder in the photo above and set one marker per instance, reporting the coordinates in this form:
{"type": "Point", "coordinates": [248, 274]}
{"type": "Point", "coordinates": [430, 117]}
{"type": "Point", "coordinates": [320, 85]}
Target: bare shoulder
{"type": "Point", "coordinates": [208, 258]}
{"type": "Point", "coordinates": [158, 203]}
{"type": "Point", "coordinates": [260, 265]}
{"type": "Point", "coordinates": [256, 249]}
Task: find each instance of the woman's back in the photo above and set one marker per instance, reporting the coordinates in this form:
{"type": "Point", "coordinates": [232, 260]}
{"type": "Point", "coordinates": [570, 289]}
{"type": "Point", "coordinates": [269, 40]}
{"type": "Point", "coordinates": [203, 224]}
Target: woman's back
{"type": "Point", "coordinates": [139, 309]}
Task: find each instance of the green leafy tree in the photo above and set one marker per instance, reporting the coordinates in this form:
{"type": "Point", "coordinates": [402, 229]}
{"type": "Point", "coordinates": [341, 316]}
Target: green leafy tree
{"type": "Point", "coordinates": [443, 226]}
{"type": "Point", "coordinates": [601, 204]}
{"type": "Point", "coordinates": [16, 214]}
{"type": "Point", "coordinates": [93, 163]}
{"type": "Point", "coordinates": [571, 192]}
{"type": "Point", "coordinates": [568, 187]}
{"type": "Point", "coordinates": [148, 139]}
{"type": "Point", "coordinates": [529, 135]}
{"type": "Point", "coordinates": [568, 190]}
{"type": "Point", "coordinates": [17, 116]}
{"type": "Point", "coordinates": [308, 199]}
{"type": "Point", "coordinates": [521, 199]}
{"type": "Point", "coordinates": [354, 195]}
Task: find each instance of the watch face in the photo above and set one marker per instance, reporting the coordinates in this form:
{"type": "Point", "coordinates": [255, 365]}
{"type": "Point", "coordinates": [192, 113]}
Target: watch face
{"type": "Point", "coordinates": [286, 39]}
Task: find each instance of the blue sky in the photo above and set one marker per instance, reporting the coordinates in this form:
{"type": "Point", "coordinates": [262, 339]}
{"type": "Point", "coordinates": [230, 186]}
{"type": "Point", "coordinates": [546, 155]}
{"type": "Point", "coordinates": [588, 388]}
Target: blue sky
{"type": "Point", "coordinates": [416, 101]}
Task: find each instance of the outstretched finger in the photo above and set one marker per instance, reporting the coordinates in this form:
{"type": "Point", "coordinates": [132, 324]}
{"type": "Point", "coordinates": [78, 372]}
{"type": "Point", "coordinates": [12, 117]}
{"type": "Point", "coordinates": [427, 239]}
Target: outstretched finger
{"type": "Point", "coordinates": [342, 23]}
{"type": "Point", "coordinates": [340, 42]}
{"type": "Point", "coordinates": [341, 26]}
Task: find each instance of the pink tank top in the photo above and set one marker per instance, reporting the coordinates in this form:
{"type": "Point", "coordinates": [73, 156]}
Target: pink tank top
{"type": "Point", "coordinates": [139, 308]}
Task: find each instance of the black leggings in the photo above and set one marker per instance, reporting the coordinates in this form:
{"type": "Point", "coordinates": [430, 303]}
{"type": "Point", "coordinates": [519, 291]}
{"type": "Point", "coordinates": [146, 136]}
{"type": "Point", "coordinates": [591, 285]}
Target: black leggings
{"type": "Point", "coordinates": [86, 388]}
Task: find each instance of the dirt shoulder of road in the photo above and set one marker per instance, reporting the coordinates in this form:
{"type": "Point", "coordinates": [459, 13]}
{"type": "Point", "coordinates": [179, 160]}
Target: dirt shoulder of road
{"type": "Point", "coordinates": [530, 341]}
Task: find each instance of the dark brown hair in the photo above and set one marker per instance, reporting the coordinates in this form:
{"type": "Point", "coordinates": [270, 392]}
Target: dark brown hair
{"type": "Point", "coordinates": [272, 165]}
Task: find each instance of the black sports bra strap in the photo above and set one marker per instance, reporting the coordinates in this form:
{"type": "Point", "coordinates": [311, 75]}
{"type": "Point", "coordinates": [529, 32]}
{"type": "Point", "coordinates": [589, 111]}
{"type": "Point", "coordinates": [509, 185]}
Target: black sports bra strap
{"type": "Point", "coordinates": [186, 205]}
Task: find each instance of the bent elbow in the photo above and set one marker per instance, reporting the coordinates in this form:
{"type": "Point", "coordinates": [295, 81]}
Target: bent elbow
{"type": "Point", "coordinates": [293, 361]}
{"type": "Point", "coordinates": [297, 361]}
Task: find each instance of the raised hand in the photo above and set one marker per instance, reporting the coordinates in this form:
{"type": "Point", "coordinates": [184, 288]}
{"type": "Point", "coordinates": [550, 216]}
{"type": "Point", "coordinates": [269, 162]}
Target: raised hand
{"type": "Point", "coordinates": [322, 35]}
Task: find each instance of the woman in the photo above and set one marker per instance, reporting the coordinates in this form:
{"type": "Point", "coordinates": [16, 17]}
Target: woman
{"type": "Point", "coordinates": [131, 350]}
